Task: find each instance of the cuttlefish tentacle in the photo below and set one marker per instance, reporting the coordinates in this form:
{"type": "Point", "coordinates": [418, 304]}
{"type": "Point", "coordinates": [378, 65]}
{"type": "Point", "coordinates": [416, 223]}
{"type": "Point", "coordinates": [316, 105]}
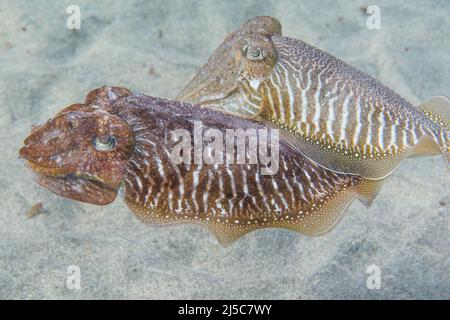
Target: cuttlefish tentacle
{"type": "Point", "coordinates": [334, 114]}
{"type": "Point", "coordinates": [130, 140]}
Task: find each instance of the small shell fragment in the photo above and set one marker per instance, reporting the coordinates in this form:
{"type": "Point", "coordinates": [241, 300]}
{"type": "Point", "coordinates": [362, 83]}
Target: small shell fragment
{"type": "Point", "coordinates": [35, 210]}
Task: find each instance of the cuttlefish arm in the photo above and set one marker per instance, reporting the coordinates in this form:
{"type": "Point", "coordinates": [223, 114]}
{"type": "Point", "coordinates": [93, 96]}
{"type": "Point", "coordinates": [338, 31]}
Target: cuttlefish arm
{"type": "Point", "coordinates": [334, 114]}
{"type": "Point", "coordinates": [129, 139]}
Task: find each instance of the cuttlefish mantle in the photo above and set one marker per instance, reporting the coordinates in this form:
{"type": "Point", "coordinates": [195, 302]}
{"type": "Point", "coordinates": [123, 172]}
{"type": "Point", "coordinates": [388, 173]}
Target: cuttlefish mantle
{"type": "Point", "coordinates": [336, 115]}
{"type": "Point", "coordinates": [117, 137]}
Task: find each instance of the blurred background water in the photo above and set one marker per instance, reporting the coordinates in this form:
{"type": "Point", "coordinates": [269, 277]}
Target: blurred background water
{"type": "Point", "coordinates": [155, 47]}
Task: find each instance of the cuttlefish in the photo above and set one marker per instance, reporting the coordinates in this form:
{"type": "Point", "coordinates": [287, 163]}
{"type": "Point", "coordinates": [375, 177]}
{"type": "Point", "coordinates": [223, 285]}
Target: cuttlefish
{"type": "Point", "coordinates": [88, 150]}
{"type": "Point", "coordinates": [336, 115]}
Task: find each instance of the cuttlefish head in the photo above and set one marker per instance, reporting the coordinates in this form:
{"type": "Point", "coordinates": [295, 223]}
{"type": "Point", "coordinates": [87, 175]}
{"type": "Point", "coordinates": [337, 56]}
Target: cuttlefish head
{"type": "Point", "coordinates": [236, 69]}
{"type": "Point", "coordinates": [82, 152]}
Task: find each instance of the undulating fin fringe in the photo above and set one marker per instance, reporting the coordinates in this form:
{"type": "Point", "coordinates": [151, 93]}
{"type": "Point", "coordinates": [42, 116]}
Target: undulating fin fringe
{"type": "Point", "coordinates": [321, 222]}
{"type": "Point", "coordinates": [368, 191]}
{"type": "Point", "coordinates": [437, 109]}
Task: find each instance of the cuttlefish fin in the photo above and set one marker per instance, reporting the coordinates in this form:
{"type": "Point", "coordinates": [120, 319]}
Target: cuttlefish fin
{"type": "Point", "coordinates": [370, 166]}
{"type": "Point", "coordinates": [329, 213]}
{"type": "Point", "coordinates": [437, 109]}
{"type": "Point", "coordinates": [426, 147]}
{"type": "Point", "coordinates": [316, 222]}
{"type": "Point", "coordinates": [226, 235]}
{"type": "Point", "coordinates": [340, 162]}
{"type": "Point", "coordinates": [368, 191]}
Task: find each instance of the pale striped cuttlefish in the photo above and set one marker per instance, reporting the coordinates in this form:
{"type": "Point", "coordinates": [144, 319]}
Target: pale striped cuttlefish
{"type": "Point", "coordinates": [334, 114]}
{"type": "Point", "coordinates": [87, 151]}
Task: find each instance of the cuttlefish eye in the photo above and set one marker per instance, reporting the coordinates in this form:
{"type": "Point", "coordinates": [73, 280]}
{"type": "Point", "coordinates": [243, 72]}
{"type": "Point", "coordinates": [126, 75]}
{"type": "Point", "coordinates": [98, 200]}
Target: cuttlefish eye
{"type": "Point", "coordinates": [104, 143]}
{"type": "Point", "coordinates": [253, 53]}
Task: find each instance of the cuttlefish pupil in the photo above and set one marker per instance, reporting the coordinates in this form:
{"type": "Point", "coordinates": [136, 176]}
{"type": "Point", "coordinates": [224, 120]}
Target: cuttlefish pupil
{"type": "Point", "coordinates": [253, 53]}
{"type": "Point", "coordinates": [104, 143]}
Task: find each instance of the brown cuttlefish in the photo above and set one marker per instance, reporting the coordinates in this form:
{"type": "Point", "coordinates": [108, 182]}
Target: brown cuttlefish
{"type": "Point", "coordinates": [334, 114]}
{"type": "Point", "coordinates": [87, 151]}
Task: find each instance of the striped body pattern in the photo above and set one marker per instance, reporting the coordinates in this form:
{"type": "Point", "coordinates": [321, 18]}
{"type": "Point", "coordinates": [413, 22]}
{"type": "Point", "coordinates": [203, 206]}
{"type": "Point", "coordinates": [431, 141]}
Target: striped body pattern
{"type": "Point", "coordinates": [334, 114]}
{"type": "Point", "coordinates": [324, 99]}
{"type": "Point", "coordinates": [117, 138]}
{"type": "Point", "coordinates": [229, 199]}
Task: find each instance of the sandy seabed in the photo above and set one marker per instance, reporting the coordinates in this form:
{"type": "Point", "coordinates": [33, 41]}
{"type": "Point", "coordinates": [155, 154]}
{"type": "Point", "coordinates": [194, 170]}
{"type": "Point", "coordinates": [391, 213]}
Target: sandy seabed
{"type": "Point", "coordinates": [155, 47]}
